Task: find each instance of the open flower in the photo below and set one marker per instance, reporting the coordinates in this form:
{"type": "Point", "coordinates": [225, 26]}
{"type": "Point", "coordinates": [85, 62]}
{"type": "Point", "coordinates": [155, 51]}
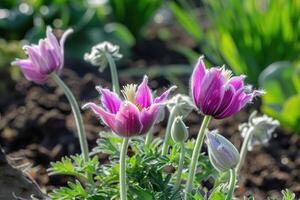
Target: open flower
{"type": "Point", "coordinates": [43, 59]}
{"type": "Point", "coordinates": [217, 93]}
{"type": "Point", "coordinates": [133, 116]}
{"type": "Point", "coordinates": [222, 153]}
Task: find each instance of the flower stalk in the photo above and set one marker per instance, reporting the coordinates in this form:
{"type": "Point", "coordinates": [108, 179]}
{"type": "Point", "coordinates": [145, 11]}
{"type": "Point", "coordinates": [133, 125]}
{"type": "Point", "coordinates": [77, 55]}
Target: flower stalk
{"type": "Point", "coordinates": [180, 166]}
{"type": "Point", "coordinates": [195, 155]}
{"type": "Point", "coordinates": [244, 150]}
{"type": "Point", "coordinates": [232, 182]}
{"type": "Point", "coordinates": [173, 114]}
{"type": "Point", "coordinates": [123, 153]}
{"type": "Point", "coordinates": [114, 73]}
{"type": "Point", "coordinates": [77, 116]}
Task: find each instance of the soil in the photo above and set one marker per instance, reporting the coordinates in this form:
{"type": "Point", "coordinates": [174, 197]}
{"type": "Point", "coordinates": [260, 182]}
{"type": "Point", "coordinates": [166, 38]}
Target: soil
{"type": "Point", "coordinates": [37, 127]}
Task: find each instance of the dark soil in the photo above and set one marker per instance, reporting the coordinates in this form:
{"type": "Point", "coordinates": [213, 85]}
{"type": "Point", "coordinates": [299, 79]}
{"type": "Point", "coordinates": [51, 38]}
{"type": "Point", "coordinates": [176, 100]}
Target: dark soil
{"type": "Point", "coordinates": [38, 127]}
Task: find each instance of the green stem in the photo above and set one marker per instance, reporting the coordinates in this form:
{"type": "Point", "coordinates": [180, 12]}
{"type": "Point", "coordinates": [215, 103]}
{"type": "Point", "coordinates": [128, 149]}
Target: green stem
{"type": "Point", "coordinates": [173, 114]}
{"type": "Point", "coordinates": [180, 166]}
{"type": "Point", "coordinates": [77, 116]}
{"type": "Point", "coordinates": [244, 150]}
{"type": "Point", "coordinates": [195, 156]}
{"type": "Point", "coordinates": [231, 184]}
{"type": "Point", "coordinates": [123, 153]}
{"type": "Point", "coordinates": [114, 73]}
{"type": "Point", "coordinates": [149, 137]}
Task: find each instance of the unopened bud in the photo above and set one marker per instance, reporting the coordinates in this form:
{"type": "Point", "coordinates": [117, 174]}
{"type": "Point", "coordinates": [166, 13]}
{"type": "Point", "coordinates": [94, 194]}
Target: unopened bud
{"type": "Point", "coordinates": [222, 153]}
{"type": "Point", "coordinates": [179, 130]}
{"type": "Point", "coordinates": [97, 55]}
{"type": "Point", "coordinates": [184, 104]}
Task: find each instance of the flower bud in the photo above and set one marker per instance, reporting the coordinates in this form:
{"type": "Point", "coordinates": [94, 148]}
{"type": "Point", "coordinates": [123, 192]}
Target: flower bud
{"type": "Point", "coordinates": [260, 129]}
{"type": "Point", "coordinates": [222, 153]}
{"type": "Point", "coordinates": [183, 103]}
{"type": "Point", "coordinates": [179, 131]}
{"type": "Point", "coordinates": [97, 56]}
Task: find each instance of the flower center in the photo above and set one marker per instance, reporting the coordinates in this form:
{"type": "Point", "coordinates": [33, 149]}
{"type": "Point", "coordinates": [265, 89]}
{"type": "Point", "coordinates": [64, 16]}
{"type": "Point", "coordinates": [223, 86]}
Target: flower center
{"type": "Point", "coordinates": [129, 92]}
{"type": "Point", "coordinates": [227, 74]}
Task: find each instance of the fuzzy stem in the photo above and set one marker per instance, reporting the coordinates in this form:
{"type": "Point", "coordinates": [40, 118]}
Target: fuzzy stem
{"type": "Point", "coordinates": [244, 150]}
{"type": "Point", "coordinates": [149, 137]}
{"type": "Point", "coordinates": [114, 73]}
{"type": "Point", "coordinates": [77, 116]}
{"type": "Point", "coordinates": [195, 156]}
{"type": "Point", "coordinates": [180, 166]}
{"type": "Point", "coordinates": [123, 153]}
{"type": "Point", "coordinates": [173, 114]}
{"type": "Point", "coordinates": [231, 184]}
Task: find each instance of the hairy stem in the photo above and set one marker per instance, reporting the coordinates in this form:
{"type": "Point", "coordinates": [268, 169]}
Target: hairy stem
{"type": "Point", "coordinates": [244, 150]}
{"type": "Point", "coordinates": [173, 114]}
{"type": "Point", "coordinates": [77, 116]}
{"type": "Point", "coordinates": [180, 166]}
{"type": "Point", "coordinates": [114, 73]}
{"type": "Point", "coordinates": [123, 153]}
{"type": "Point", "coordinates": [195, 155]}
{"type": "Point", "coordinates": [149, 137]}
{"type": "Point", "coordinates": [231, 184]}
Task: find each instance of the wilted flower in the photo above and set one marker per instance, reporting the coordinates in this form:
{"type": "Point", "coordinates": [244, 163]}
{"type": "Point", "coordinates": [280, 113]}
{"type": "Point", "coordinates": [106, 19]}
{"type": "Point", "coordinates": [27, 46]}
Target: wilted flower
{"type": "Point", "coordinates": [260, 129]}
{"type": "Point", "coordinates": [217, 93]}
{"type": "Point", "coordinates": [222, 153]}
{"type": "Point", "coordinates": [97, 56]}
{"type": "Point", "coordinates": [183, 103]}
{"type": "Point", "coordinates": [179, 131]}
{"type": "Point", "coordinates": [133, 116]}
{"type": "Point", "coordinates": [43, 59]}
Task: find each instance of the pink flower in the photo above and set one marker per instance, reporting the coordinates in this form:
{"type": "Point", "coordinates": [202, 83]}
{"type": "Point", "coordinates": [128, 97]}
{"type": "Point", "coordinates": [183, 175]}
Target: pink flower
{"type": "Point", "coordinates": [217, 94]}
{"type": "Point", "coordinates": [133, 116]}
{"type": "Point", "coordinates": [43, 59]}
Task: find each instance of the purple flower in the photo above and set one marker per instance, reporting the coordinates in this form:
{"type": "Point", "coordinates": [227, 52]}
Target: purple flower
{"type": "Point", "coordinates": [217, 93]}
{"type": "Point", "coordinates": [43, 59]}
{"type": "Point", "coordinates": [133, 116]}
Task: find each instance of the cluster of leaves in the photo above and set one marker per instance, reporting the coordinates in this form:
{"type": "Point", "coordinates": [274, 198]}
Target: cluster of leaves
{"type": "Point", "coordinates": [281, 81]}
{"type": "Point", "coordinates": [150, 175]}
{"type": "Point", "coordinates": [246, 35]}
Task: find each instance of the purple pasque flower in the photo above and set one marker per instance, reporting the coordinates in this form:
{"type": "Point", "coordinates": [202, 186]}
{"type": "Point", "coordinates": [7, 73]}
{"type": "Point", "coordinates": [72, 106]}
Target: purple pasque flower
{"type": "Point", "coordinates": [43, 59]}
{"type": "Point", "coordinates": [133, 116]}
{"type": "Point", "coordinates": [217, 93]}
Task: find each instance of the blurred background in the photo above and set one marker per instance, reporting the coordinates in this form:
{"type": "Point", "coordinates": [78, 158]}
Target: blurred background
{"type": "Point", "coordinates": [163, 39]}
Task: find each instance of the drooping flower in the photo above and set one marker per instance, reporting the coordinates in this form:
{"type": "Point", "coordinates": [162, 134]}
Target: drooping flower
{"type": "Point", "coordinates": [133, 116]}
{"type": "Point", "coordinates": [222, 153]}
{"type": "Point", "coordinates": [179, 131]}
{"type": "Point", "coordinates": [259, 128]}
{"type": "Point", "coordinates": [43, 59]}
{"type": "Point", "coordinates": [216, 93]}
{"type": "Point", "coordinates": [97, 56]}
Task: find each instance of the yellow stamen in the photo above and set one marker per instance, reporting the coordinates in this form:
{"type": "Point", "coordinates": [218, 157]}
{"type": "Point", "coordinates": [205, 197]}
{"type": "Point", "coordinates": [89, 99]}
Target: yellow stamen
{"type": "Point", "coordinates": [129, 92]}
{"type": "Point", "coordinates": [226, 73]}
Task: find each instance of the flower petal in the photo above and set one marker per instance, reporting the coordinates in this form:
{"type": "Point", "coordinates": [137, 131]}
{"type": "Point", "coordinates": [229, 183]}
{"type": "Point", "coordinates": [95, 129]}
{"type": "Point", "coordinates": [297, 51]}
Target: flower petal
{"type": "Point", "coordinates": [212, 91]}
{"type": "Point", "coordinates": [143, 94]}
{"type": "Point", "coordinates": [164, 96]}
{"type": "Point", "coordinates": [128, 120]}
{"type": "Point", "coordinates": [110, 100]}
{"type": "Point", "coordinates": [106, 117]}
{"type": "Point", "coordinates": [249, 97]}
{"type": "Point", "coordinates": [226, 100]}
{"type": "Point", "coordinates": [237, 82]}
{"type": "Point", "coordinates": [30, 71]}
{"type": "Point", "coordinates": [196, 80]}
{"type": "Point", "coordinates": [149, 117]}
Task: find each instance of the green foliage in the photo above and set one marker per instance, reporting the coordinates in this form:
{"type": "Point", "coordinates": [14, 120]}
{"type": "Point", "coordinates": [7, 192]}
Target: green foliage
{"type": "Point", "coordinates": [135, 15]}
{"type": "Point", "coordinates": [282, 84]}
{"type": "Point", "coordinates": [246, 35]}
{"type": "Point", "coordinates": [149, 174]}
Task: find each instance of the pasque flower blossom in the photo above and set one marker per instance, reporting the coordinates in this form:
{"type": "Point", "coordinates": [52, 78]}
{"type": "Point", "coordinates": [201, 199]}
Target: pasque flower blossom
{"type": "Point", "coordinates": [222, 153]}
{"type": "Point", "coordinates": [43, 59]}
{"type": "Point", "coordinates": [133, 116]}
{"type": "Point", "coordinates": [216, 93]}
